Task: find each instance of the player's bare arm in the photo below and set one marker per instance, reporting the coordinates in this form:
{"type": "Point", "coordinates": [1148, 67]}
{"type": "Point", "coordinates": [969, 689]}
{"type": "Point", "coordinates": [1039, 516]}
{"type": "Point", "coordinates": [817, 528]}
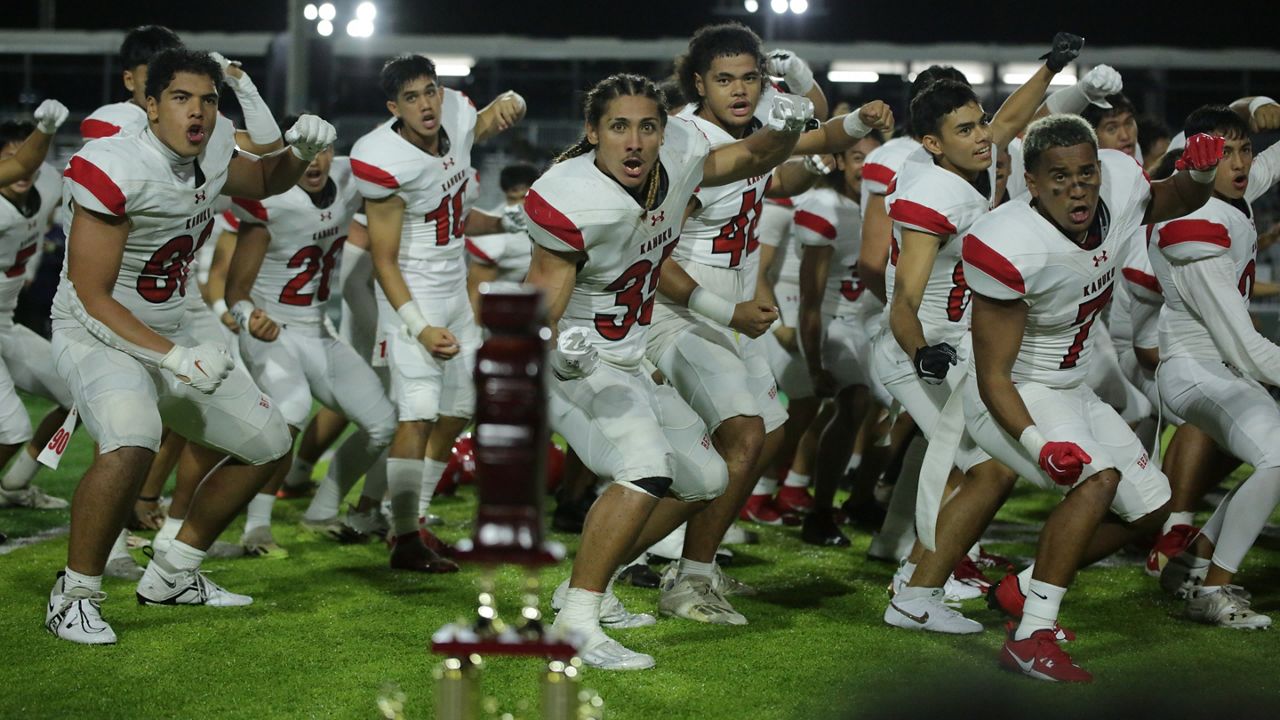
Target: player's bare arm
{"type": "Point", "coordinates": [760, 152]}
{"type": "Point", "coordinates": [873, 257]}
{"type": "Point", "coordinates": [215, 291]}
{"type": "Point", "coordinates": [500, 115]}
{"type": "Point", "coordinates": [477, 273]}
{"type": "Point", "coordinates": [33, 150]}
{"type": "Point", "coordinates": [815, 264]}
{"type": "Point", "coordinates": [915, 262]}
{"type": "Point", "coordinates": [251, 248]}
{"type": "Point", "coordinates": [554, 273]}
{"type": "Point", "coordinates": [998, 326]}
{"type": "Point", "coordinates": [844, 131]}
{"type": "Point", "coordinates": [1261, 112]}
{"type": "Point", "coordinates": [751, 317]}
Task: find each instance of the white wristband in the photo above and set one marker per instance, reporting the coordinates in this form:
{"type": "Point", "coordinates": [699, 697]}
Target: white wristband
{"type": "Point", "coordinates": [706, 303]}
{"type": "Point", "coordinates": [241, 312]}
{"type": "Point", "coordinates": [854, 127]}
{"type": "Point", "coordinates": [413, 319]}
{"type": "Point", "coordinates": [1033, 441]}
{"type": "Point", "coordinates": [219, 307]}
{"type": "Point", "coordinates": [1258, 102]}
{"type": "Point", "coordinates": [1204, 177]}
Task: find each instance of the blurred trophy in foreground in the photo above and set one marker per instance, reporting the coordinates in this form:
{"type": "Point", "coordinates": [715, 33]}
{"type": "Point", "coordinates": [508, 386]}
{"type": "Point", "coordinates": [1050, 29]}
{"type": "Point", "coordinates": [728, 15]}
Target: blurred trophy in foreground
{"type": "Point", "coordinates": [511, 443]}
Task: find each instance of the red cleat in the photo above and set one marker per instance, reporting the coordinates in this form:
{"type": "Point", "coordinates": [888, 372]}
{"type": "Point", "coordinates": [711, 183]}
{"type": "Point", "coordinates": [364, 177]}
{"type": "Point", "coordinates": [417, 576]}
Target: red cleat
{"type": "Point", "coordinates": [968, 573]}
{"type": "Point", "coordinates": [293, 492]}
{"type": "Point", "coordinates": [1006, 597]}
{"type": "Point", "coordinates": [793, 500]}
{"type": "Point", "coordinates": [409, 553]}
{"type": "Point", "coordinates": [435, 544]}
{"type": "Point", "coordinates": [1169, 546]}
{"type": "Point", "coordinates": [991, 561]}
{"type": "Point", "coordinates": [1040, 657]}
{"type": "Point", "coordinates": [760, 509]}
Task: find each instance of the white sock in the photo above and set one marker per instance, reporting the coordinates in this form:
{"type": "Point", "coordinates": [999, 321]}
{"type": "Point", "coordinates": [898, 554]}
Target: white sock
{"type": "Point", "coordinates": [404, 483]}
{"type": "Point", "coordinates": [1182, 517]}
{"type": "Point", "coordinates": [1244, 516]}
{"type": "Point", "coordinates": [795, 479]}
{"type": "Point", "coordinates": [907, 569]}
{"type": "Point", "coordinates": [855, 460]}
{"type": "Point", "coordinates": [691, 567]}
{"type": "Point", "coordinates": [120, 548]}
{"type": "Point", "coordinates": [975, 552]}
{"type": "Point", "coordinates": [1041, 609]}
{"type": "Point", "coordinates": [765, 486]}
{"type": "Point", "coordinates": [581, 609]}
{"type": "Point", "coordinates": [259, 512]}
{"type": "Point", "coordinates": [182, 556]}
{"type": "Point", "coordinates": [71, 579]}
{"type": "Point", "coordinates": [375, 479]}
{"type": "Point", "coordinates": [20, 472]}
{"type": "Point", "coordinates": [899, 528]}
{"type": "Point", "coordinates": [912, 593]}
{"type": "Point", "coordinates": [168, 531]}
{"type": "Point", "coordinates": [1208, 590]}
{"type": "Point", "coordinates": [326, 501]}
{"type": "Point", "coordinates": [431, 472]}
{"type": "Point", "coordinates": [1024, 578]}
{"type": "Point", "coordinates": [300, 473]}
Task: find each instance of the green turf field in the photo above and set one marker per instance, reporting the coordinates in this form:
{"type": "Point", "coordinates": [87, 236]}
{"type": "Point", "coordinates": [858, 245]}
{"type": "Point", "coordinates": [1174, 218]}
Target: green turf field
{"type": "Point", "coordinates": [331, 625]}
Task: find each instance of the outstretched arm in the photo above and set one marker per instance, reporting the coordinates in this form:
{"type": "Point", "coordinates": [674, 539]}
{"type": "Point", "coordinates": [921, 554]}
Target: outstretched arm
{"type": "Point", "coordinates": [500, 115]}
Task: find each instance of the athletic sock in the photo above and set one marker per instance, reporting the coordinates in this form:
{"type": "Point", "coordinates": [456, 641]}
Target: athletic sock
{"type": "Point", "coordinates": [796, 480]}
{"type": "Point", "coordinates": [765, 486]}
{"type": "Point", "coordinates": [404, 483]}
{"type": "Point", "coordinates": [1024, 578]}
{"type": "Point", "coordinates": [1041, 609]}
{"type": "Point", "coordinates": [182, 556]}
{"type": "Point", "coordinates": [912, 593]}
{"type": "Point", "coordinates": [1182, 517]}
{"type": "Point", "coordinates": [326, 501]}
{"type": "Point", "coordinates": [120, 547]}
{"type": "Point", "coordinates": [899, 529]}
{"type": "Point", "coordinates": [168, 531]}
{"type": "Point", "coordinates": [375, 480]}
{"type": "Point", "coordinates": [1208, 590]}
{"type": "Point", "coordinates": [975, 552]}
{"type": "Point", "coordinates": [71, 578]}
{"type": "Point", "coordinates": [691, 567]}
{"type": "Point", "coordinates": [300, 473]}
{"type": "Point", "coordinates": [259, 512]}
{"type": "Point", "coordinates": [20, 472]}
{"type": "Point", "coordinates": [1244, 516]}
{"type": "Point", "coordinates": [432, 470]}
{"type": "Point", "coordinates": [581, 609]}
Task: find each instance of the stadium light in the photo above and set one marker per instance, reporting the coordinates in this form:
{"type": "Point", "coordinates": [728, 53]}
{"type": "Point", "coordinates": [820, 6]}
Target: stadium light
{"type": "Point", "coordinates": [310, 12]}
{"type": "Point", "coordinates": [799, 6]}
{"type": "Point", "coordinates": [360, 28]}
{"type": "Point", "coordinates": [325, 28]}
{"type": "Point", "coordinates": [454, 66]}
{"type": "Point", "coordinates": [1019, 73]}
{"type": "Point", "coordinates": [327, 13]}
{"type": "Point", "coordinates": [778, 6]}
{"type": "Point", "coordinates": [366, 11]}
{"type": "Point", "coordinates": [975, 73]}
{"type": "Point", "coordinates": [862, 71]}
{"type": "Point", "coordinates": [752, 6]}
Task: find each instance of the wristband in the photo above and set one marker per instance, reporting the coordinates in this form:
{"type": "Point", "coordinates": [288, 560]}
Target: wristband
{"type": "Point", "coordinates": [219, 307]}
{"type": "Point", "coordinates": [706, 303]}
{"type": "Point", "coordinates": [1033, 441]}
{"type": "Point", "coordinates": [854, 127]}
{"type": "Point", "coordinates": [1204, 177]}
{"type": "Point", "coordinates": [241, 312]}
{"type": "Point", "coordinates": [413, 319]}
{"type": "Point", "coordinates": [1259, 102]}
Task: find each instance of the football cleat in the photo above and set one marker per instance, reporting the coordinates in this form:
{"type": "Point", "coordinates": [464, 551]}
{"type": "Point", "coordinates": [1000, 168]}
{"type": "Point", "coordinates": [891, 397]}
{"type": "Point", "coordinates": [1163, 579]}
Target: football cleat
{"type": "Point", "coordinates": [33, 497]}
{"type": "Point", "coordinates": [1179, 578]}
{"type": "Point", "coordinates": [76, 615]}
{"type": "Point", "coordinates": [164, 585]}
{"type": "Point", "coordinates": [334, 529]}
{"type": "Point", "coordinates": [794, 500]}
{"type": "Point", "coordinates": [293, 492]}
{"type": "Point", "coordinates": [438, 546]}
{"type": "Point", "coordinates": [598, 650]}
{"type": "Point", "coordinates": [639, 575]}
{"type": "Point", "coordinates": [1168, 546]}
{"type": "Point", "coordinates": [1039, 657]}
{"type": "Point", "coordinates": [727, 585]}
{"type": "Point", "coordinates": [759, 509]}
{"type": "Point", "coordinates": [408, 552]}
{"type": "Point", "coordinates": [123, 567]}
{"type": "Point", "coordinates": [370, 523]}
{"type": "Point", "coordinates": [967, 572]}
{"type": "Point", "coordinates": [693, 597]}
{"type": "Point", "coordinates": [953, 589]}
{"type": "Point", "coordinates": [1228, 607]}
{"type": "Point", "coordinates": [260, 543]}
{"type": "Point", "coordinates": [1006, 597]}
{"type": "Point", "coordinates": [991, 561]}
{"type": "Point", "coordinates": [867, 515]}
{"type": "Point", "coordinates": [613, 614]}
{"type": "Point", "coordinates": [737, 535]}
{"type": "Point", "coordinates": [929, 613]}
{"type": "Point", "coordinates": [820, 528]}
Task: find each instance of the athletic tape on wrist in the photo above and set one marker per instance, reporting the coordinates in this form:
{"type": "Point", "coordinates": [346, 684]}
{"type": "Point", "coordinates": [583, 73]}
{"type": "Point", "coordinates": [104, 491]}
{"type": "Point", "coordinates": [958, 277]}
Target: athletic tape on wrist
{"type": "Point", "coordinates": [413, 319]}
{"type": "Point", "coordinates": [1033, 441]}
{"type": "Point", "coordinates": [706, 303]}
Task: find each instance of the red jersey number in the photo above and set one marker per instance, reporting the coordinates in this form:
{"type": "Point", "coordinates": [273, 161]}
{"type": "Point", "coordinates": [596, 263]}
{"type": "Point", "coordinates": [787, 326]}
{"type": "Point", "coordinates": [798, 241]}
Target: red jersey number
{"type": "Point", "coordinates": [312, 261]}
{"type": "Point", "coordinates": [448, 216]}
{"type": "Point", "coordinates": [1247, 279]}
{"type": "Point", "coordinates": [20, 261]}
{"type": "Point", "coordinates": [1086, 314]}
{"type": "Point", "coordinates": [958, 298]}
{"type": "Point", "coordinates": [635, 289]}
{"type": "Point", "coordinates": [166, 272]}
{"type": "Point", "coordinates": [737, 238]}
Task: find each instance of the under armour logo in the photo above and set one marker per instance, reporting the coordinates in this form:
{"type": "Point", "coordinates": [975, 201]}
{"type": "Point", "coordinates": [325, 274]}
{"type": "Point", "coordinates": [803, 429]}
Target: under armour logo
{"type": "Point", "coordinates": [1099, 259]}
{"type": "Point", "coordinates": [655, 219]}
{"type": "Point", "coordinates": [448, 163]}
{"type": "Point", "coordinates": [200, 196]}
{"type": "Point", "coordinates": [327, 215]}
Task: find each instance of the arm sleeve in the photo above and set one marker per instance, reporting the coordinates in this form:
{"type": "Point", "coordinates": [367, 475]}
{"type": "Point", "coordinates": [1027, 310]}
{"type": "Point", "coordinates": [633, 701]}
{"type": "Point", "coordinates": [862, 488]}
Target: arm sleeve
{"type": "Point", "coordinates": [92, 188]}
{"type": "Point", "coordinates": [248, 211]}
{"type": "Point", "coordinates": [374, 181]}
{"type": "Point", "coordinates": [1208, 287]}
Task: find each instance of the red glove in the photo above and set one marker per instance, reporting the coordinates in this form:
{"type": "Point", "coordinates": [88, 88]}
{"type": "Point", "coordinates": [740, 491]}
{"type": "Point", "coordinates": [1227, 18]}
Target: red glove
{"type": "Point", "coordinates": [1203, 152]}
{"type": "Point", "coordinates": [1063, 461]}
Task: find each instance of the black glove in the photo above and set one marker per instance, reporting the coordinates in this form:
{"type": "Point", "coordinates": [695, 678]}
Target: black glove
{"type": "Point", "coordinates": [933, 361]}
{"type": "Point", "coordinates": [1066, 47]}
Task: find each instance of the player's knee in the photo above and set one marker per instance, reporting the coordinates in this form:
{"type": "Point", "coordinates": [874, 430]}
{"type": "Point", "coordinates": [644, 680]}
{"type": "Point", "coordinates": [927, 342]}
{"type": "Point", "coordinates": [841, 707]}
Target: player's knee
{"type": "Point", "coordinates": [708, 483]}
{"type": "Point", "coordinates": [741, 434]}
{"type": "Point", "coordinates": [1102, 484]}
{"type": "Point", "coordinates": [272, 442]}
{"type": "Point", "coordinates": [381, 432]}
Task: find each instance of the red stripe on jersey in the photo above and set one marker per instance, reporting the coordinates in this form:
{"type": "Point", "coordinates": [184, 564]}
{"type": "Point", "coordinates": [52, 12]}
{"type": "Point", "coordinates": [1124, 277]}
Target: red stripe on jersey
{"type": "Point", "coordinates": [816, 223]}
{"type": "Point", "coordinates": [254, 206]}
{"type": "Point", "coordinates": [553, 221]}
{"type": "Point", "coordinates": [784, 202]}
{"type": "Point", "coordinates": [232, 221]}
{"type": "Point", "coordinates": [876, 172]}
{"type": "Point", "coordinates": [373, 174]}
{"type": "Point", "coordinates": [477, 253]}
{"type": "Point", "coordinates": [92, 178]}
{"type": "Point", "coordinates": [981, 256]}
{"type": "Point", "coordinates": [91, 129]}
{"type": "Point", "coordinates": [1146, 280]}
{"type": "Point", "coordinates": [921, 216]}
{"type": "Point", "coordinates": [1180, 231]}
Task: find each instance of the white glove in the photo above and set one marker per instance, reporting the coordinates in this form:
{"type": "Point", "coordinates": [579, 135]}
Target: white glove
{"type": "Point", "coordinates": [224, 63]}
{"type": "Point", "coordinates": [203, 367]}
{"type": "Point", "coordinates": [241, 311]}
{"type": "Point", "coordinates": [818, 164]}
{"type": "Point", "coordinates": [789, 113]}
{"type": "Point", "coordinates": [1100, 82]}
{"type": "Point", "coordinates": [50, 115]}
{"type": "Point", "coordinates": [514, 220]}
{"type": "Point", "coordinates": [309, 137]}
{"type": "Point", "coordinates": [792, 68]}
{"type": "Point", "coordinates": [574, 356]}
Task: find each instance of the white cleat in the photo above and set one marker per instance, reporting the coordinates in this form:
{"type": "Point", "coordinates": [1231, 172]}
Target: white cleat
{"type": "Point", "coordinates": [371, 522]}
{"type": "Point", "coordinates": [76, 615]}
{"type": "Point", "coordinates": [1227, 608]}
{"type": "Point", "coordinates": [953, 590]}
{"type": "Point", "coordinates": [727, 585]}
{"type": "Point", "coordinates": [613, 614]}
{"type": "Point", "coordinates": [738, 535]}
{"type": "Point", "coordinates": [1180, 579]}
{"type": "Point", "coordinates": [598, 650]}
{"type": "Point", "coordinates": [930, 614]}
{"type": "Point", "coordinates": [32, 497]}
{"type": "Point", "coordinates": [168, 586]}
{"type": "Point", "coordinates": [123, 567]}
{"type": "Point", "coordinates": [693, 597]}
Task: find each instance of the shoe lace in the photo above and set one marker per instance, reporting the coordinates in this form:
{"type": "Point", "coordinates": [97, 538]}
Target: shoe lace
{"type": "Point", "coordinates": [75, 595]}
{"type": "Point", "coordinates": [1235, 593]}
{"type": "Point", "coordinates": [1049, 650]}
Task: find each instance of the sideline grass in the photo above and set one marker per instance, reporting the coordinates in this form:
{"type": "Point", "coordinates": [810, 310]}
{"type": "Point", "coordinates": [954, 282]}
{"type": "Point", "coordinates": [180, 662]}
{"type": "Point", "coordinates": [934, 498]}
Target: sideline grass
{"type": "Point", "coordinates": [331, 625]}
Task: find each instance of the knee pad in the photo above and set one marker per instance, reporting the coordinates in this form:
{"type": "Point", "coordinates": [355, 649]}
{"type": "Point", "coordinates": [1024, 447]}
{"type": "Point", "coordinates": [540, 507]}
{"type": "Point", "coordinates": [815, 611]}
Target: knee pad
{"type": "Point", "coordinates": [654, 486]}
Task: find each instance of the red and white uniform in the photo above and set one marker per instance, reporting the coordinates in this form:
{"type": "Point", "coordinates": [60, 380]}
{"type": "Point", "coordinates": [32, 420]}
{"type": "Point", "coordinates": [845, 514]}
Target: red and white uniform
{"type": "Point", "coordinates": [882, 166]}
{"type": "Point", "coordinates": [432, 256]}
{"type": "Point", "coordinates": [510, 253]}
{"type": "Point", "coordinates": [169, 202]}
{"type": "Point", "coordinates": [789, 369]}
{"type": "Point", "coordinates": [1213, 362]}
{"type": "Point", "coordinates": [707, 363]}
{"type": "Point", "coordinates": [122, 118]}
{"type": "Point", "coordinates": [1135, 307]}
{"type": "Point", "coordinates": [1015, 253]}
{"type": "Point", "coordinates": [621, 424]}
{"type": "Point", "coordinates": [26, 360]}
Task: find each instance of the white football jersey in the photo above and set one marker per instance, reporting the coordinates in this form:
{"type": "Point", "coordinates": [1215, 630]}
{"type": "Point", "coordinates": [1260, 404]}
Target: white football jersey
{"type": "Point", "coordinates": [21, 230]}
{"type": "Point", "coordinates": [307, 235]}
{"type": "Point", "coordinates": [779, 235]}
{"type": "Point", "coordinates": [723, 232]}
{"type": "Point", "coordinates": [575, 207]}
{"type": "Point", "coordinates": [510, 253]}
{"type": "Point", "coordinates": [434, 189]}
{"type": "Point", "coordinates": [1138, 284]}
{"type": "Point", "coordinates": [170, 203]}
{"type": "Point", "coordinates": [825, 218]}
{"type": "Point", "coordinates": [122, 118]}
{"type": "Point", "coordinates": [925, 198]}
{"type": "Point", "coordinates": [882, 166]}
{"type": "Point", "coordinates": [1013, 252]}
{"type": "Point", "coordinates": [1219, 227]}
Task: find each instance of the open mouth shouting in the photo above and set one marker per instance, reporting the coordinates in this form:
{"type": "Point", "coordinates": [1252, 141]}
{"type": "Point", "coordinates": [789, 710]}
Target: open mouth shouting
{"type": "Point", "coordinates": [633, 167]}
{"type": "Point", "coordinates": [1079, 213]}
{"type": "Point", "coordinates": [740, 108]}
{"type": "Point", "coordinates": [195, 133]}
